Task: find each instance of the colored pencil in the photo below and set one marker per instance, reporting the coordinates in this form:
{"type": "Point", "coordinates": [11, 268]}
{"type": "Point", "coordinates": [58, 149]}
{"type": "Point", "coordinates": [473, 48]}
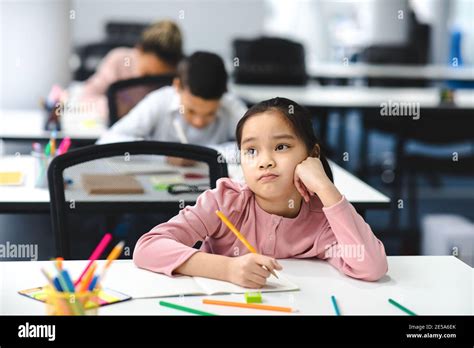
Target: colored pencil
{"type": "Point", "coordinates": [336, 307]}
{"type": "Point", "coordinates": [95, 255]}
{"type": "Point", "coordinates": [185, 309]}
{"type": "Point", "coordinates": [239, 235]}
{"type": "Point", "coordinates": [248, 305]}
{"type": "Point", "coordinates": [114, 254]}
{"type": "Point", "coordinates": [399, 306]}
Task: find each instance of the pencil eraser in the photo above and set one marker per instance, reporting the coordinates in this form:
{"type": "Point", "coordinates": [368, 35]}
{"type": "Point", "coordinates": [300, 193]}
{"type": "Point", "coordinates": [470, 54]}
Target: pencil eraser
{"type": "Point", "coordinates": [253, 297]}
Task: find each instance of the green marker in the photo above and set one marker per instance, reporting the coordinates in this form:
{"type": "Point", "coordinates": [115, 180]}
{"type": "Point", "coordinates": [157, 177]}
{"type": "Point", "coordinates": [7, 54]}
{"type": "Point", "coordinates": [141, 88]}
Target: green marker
{"type": "Point", "coordinates": [185, 309]}
{"type": "Point", "coordinates": [399, 306]}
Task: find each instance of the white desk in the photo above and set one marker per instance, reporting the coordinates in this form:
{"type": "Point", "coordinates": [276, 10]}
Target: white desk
{"type": "Point", "coordinates": [27, 198]}
{"type": "Point", "coordinates": [361, 70]}
{"type": "Point", "coordinates": [428, 285]}
{"type": "Point", "coordinates": [314, 95]}
{"type": "Point", "coordinates": [28, 125]}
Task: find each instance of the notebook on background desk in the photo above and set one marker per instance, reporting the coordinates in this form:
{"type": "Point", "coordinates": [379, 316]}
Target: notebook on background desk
{"type": "Point", "coordinates": [13, 178]}
{"type": "Point", "coordinates": [111, 184]}
{"type": "Point", "coordinates": [140, 283]}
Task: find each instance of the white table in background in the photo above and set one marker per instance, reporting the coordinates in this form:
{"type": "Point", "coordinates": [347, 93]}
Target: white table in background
{"type": "Point", "coordinates": [27, 198]}
{"type": "Point", "coordinates": [427, 285]}
{"type": "Point", "coordinates": [363, 70]}
{"type": "Point", "coordinates": [27, 125]}
{"type": "Point", "coordinates": [314, 95]}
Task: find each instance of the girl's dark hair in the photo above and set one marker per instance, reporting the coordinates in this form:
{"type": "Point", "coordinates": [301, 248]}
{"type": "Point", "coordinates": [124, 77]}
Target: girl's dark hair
{"type": "Point", "coordinates": [299, 118]}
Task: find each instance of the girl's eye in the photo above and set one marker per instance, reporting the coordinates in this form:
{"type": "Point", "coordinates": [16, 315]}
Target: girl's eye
{"type": "Point", "coordinates": [250, 152]}
{"type": "Point", "coordinates": [282, 147]}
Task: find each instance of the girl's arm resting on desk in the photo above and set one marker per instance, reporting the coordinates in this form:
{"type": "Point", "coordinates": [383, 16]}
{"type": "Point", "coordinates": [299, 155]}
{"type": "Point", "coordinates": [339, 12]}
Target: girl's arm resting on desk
{"type": "Point", "coordinates": [347, 240]}
{"type": "Point", "coordinates": [350, 245]}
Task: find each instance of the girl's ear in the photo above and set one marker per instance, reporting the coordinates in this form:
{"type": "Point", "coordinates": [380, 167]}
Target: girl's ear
{"type": "Point", "coordinates": [316, 151]}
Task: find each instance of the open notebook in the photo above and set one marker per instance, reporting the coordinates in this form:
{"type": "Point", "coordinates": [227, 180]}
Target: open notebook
{"type": "Point", "coordinates": [140, 283]}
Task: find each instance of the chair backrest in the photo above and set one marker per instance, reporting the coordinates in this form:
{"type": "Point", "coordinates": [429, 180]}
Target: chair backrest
{"type": "Point", "coordinates": [272, 61]}
{"type": "Point", "coordinates": [123, 95]}
{"type": "Point", "coordinates": [135, 161]}
{"type": "Point", "coordinates": [413, 52]}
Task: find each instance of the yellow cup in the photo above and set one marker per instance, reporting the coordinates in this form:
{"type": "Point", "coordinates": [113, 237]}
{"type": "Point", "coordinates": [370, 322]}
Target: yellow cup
{"type": "Point", "coordinates": [71, 303]}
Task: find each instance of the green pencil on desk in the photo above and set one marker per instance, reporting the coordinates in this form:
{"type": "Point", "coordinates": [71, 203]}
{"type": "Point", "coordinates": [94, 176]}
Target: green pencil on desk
{"type": "Point", "coordinates": [185, 309]}
{"type": "Point", "coordinates": [399, 306]}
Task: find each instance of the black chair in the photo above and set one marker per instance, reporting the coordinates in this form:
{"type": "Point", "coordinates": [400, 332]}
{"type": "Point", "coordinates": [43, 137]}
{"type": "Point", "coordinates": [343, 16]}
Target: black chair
{"type": "Point", "coordinates": [125, 32]}
{"type": "Point", "coordinates": [413, 52]}
{"type": "Point", "coordinates": [65, 211]}
{"type": "Point", "coordinates": [123, 95]}
{"type": "Point", "coordinates": [442, 126]}
{"type": "Point", "coordinates": [269, 61]}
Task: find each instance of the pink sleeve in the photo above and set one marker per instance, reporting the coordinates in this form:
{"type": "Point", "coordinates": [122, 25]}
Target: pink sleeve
{"type": "Point", "coordinates": [106, 74]}
{"type": "Point", "coordinates": [169, 244]}
{"type": "Point", "coordinates": [350, 245]}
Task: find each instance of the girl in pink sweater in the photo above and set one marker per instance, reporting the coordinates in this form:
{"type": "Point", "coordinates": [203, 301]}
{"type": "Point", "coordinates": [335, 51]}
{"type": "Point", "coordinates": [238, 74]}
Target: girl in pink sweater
{"type": "Point", "coordinates": [288, 208]}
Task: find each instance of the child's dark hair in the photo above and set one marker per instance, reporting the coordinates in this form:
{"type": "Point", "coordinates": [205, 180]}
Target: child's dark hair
{"type": "Point", "coordinates": [204, 74]}
{"type": "Point", "coordinates": [298, 117]}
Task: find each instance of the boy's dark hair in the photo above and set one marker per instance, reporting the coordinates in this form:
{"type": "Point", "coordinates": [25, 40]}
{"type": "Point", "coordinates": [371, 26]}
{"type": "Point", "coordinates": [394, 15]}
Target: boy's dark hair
{"type": "Point", "coordinates": [164, 40]}
{"type": "Point", "coordinates": [204, 74]}
{"type": "Point", "coordinates": [299, 119]}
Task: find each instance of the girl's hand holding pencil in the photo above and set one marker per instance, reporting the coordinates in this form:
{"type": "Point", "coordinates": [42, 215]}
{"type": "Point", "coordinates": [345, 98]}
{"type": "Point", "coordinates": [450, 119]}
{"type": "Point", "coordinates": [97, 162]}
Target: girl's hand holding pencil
{"type": "Point", "coordinates": [248, 270]}
{"type": "Point", "coordinates": [251, 270]}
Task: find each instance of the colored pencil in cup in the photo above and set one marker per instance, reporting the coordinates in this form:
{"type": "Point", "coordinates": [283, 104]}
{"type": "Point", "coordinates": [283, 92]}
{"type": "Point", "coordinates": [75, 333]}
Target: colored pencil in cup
{"type": "Point", "coordinates": [114, 254]}
{"type": "Point", "coordinates": [95, 255]}
{"type": "Point", "coordinates": [59, 262]}
{"type": "Point", "coordinates": [248, 305]}
{"type": "Point", "coordinates": [239, 235]}
{"type": "Point", "coordinates": [184, 309]}
{"type": "Point", "coordinates": [84, 284]}
{"type": "Point", "coordinates": [67, 286]}
{"type": "Point", "coordinates": [64, 146]}
{"type": "Point", "coordinates": [48, 277]}
{"type": "Point", "coordinates": [399, 306]}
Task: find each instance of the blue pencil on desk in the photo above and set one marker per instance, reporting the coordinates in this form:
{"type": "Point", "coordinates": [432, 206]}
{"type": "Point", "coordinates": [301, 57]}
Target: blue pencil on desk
{"type": "Point", "coordinates": [334, 304]}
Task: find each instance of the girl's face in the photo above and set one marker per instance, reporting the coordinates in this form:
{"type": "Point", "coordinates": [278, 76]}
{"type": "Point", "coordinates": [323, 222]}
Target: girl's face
{"type": "Point", "coordinates": [270, 152]}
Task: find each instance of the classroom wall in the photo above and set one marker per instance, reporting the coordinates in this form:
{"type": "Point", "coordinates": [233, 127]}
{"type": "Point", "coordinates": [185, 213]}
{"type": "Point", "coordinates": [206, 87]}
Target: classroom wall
{"type": "Point", "coordinates": [35, 48]}
{"type": "Point", "coordinates": [206, 25]}
{"type": "Point", "coordinates": [326, 26]}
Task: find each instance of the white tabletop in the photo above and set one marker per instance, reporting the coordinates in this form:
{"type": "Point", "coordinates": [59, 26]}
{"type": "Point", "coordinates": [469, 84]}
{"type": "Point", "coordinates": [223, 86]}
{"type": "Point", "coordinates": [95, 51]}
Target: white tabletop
{"type": "Point", "coordinates": [427, 285]}
{"type": "Point", "coordinates": [355, 190]}
{"type": "Point", "coordinates": [28, 124]}
{"type": "Point", "coordinates": [355, 70]}
{"type": "Point", "coordinates": [351, 96]}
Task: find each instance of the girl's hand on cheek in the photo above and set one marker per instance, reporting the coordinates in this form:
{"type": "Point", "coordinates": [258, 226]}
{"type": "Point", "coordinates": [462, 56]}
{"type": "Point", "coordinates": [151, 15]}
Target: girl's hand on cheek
{"type": "Point", "coordinates": [310, 177]}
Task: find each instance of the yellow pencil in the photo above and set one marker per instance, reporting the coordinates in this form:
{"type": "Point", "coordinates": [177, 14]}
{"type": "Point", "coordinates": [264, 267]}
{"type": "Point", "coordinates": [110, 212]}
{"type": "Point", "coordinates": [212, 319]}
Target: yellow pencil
{"type": "Point", "coordinates": [84, 284]}
{"type": "Point", "coordinates": [59, 262]}
{"type": "Point", "coordinates": [114, 254]}
{"type": "Point", "coordinates": [239, 236]}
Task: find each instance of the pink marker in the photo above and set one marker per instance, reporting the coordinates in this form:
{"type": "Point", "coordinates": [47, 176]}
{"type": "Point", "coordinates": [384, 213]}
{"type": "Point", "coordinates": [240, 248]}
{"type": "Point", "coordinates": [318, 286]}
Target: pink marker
{"type": "Point", "coordinates": [64, 146]}
{"type": "Point", "coordinates": [95, 255]}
